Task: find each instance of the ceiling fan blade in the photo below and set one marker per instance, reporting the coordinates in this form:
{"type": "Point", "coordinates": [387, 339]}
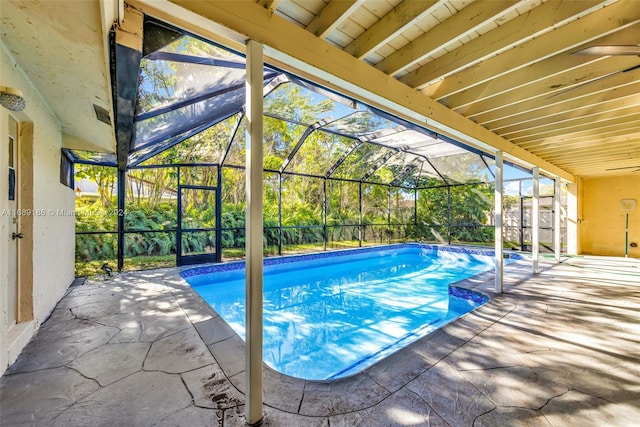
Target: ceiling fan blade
{"type": "Point", "coordinates": [626, 167]}
{"type": "Point", "coordinates": [588, 82]}
{"type": "Point", "coordinates": [606, 50]}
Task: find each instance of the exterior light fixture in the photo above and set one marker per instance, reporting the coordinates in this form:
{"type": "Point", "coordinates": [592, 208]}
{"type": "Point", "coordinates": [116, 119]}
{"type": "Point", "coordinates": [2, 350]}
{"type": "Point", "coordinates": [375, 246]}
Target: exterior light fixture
{"type": "Point", "coordinates": [12, 99]}
{"type": "Point", "coordinates": [627, 205]}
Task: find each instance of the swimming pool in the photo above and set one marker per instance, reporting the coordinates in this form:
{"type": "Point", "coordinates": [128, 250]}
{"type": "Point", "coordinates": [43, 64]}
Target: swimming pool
{"type": "Point", "coordinates": [333, 314]}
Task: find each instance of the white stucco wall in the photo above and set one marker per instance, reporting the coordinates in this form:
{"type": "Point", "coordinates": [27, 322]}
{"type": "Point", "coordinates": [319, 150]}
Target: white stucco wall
{"type": "Point", "coordinates": [53, 236]}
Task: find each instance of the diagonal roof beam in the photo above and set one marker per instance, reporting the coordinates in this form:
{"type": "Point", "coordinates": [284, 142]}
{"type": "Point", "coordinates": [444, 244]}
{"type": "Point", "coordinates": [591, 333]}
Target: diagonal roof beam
{"type": "Point", "coordinates": [557, 134]}
{"type": "Point", "coordinates": [294, 49]}
{"type": "Point", "coordinates": [627, 147]}
{"type": "Point", "coordinates": [628, 140]}
{"type": "Point", "coordinates": [459, 25]}
{"type": "Point", "coordinates": [391, 25]}
{"type": "Point", "coordinates": [605, 130]}
{"type": "Point", "coordinates": [408, 169]}
{"type": "Point", "coordinates": [599, 158]}
{"type": "Point", "coordinates": [128, 55]}
{"type": "Point", "coordinates": [573, 124]}
{"type": "Point", "coordinates": [617, 86]}
{"type": "Point", "coordinates": [540, 72]}
{"type": "Point", "coordinates": [626, 97]}
{"type": "Point", "coordinates": [342, 159]}
{"type": "Point", "coordinates": [505, 37]}
{"type": "Point", "coordinates": [592, 26]}
{"type": "Point", "coordinates": [307, 133]}
{"type": "Point", "coordinates": [379, 164]}
{"type": "Point", "coordinates": [332, 16]}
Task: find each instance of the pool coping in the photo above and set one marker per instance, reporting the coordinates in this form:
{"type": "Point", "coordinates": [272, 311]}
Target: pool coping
{"type": "Point", "coordinates": [353, 393]}
{"type": "Point", "coordinates": [192, 270]}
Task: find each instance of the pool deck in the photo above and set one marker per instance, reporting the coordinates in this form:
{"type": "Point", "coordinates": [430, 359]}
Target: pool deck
{"type": "Point", "coordinates": [561, 348]}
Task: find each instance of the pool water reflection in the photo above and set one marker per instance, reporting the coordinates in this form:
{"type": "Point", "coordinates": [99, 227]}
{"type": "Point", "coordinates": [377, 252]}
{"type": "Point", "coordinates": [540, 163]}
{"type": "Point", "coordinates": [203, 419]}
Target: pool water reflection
{"type": "Point", "coordinates": [332, 316]}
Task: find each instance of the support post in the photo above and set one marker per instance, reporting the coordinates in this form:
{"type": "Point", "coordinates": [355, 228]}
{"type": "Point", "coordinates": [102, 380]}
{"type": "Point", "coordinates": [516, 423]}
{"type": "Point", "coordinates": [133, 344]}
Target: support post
{"type": "Point", "coordinates": [121, 195]}
{"type": "Point", "coordinates": [574, 213]}
{"type": "Point", "coordinates": [280, 213]}
{"type": "Point", "coordinates": [415, 208]}
{"type": "Point", "coordinates": [360, 226]}
{"type": "Point", "coordinates": [557, 220]}
{"type": "Point", "coordinates": [449, 215]}
{"type": "Point", "coordinates": [324, 213]}
{"type": "Point", "coordinates": [254, 233]}
{"type": "Point", "coordinates": [523, 247]}
{"type": "Point", "coordinates": [389, 214]}
{"type": "Point", "coordinates": [498, 238]}
{"type": "Point", "coordinates": [415, 213]}
{"type": "Point", "coordinates": [218, 215]}
{"type": "Point", "coordinates": [179, 220]}
{"type": "Point", "coordinates": [535, 222]}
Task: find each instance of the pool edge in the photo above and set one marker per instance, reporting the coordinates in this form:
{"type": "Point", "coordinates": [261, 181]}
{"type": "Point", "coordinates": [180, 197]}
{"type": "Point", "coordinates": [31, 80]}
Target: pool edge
{"type": "Point", "coordinates": [352, 393]}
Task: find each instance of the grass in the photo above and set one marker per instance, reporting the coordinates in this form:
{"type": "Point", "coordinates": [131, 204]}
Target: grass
{"type": "Point", "coordinates": [93, 268]}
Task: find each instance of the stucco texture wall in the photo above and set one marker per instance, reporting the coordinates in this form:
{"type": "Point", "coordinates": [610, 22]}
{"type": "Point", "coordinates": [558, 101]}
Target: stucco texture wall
{"type": "Point", "coordinates": [53, 235]}
{"type": "Point", "coordinates": [602, 226]}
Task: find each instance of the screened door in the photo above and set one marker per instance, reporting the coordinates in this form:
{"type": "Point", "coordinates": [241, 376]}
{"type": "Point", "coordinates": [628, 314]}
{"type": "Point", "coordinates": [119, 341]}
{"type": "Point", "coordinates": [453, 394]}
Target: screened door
{"type": "Point", "coordinates": [197, 236]}
{"type": "Point", "coordinates": [545, 226]}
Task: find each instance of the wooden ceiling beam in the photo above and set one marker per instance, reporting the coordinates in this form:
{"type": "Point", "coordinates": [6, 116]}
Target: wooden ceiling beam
{"type": "Point", "coordinates": [589, 151]}
{"type": "Point", "coordinates": [577, 147]}
{"type": "Point", "coordinates": [553, 70]}
{"type": "Point", "coordinates": [605, 164]}
{"type": "Point", "coordinates": [588, 135]}
{"type": "Point", "coordinates": [591, 103]}
{"type": "Point", "coordinates": [615, 166]}
{"type": "Point", "coordinates": [597, 24]}
{"type": "Point", "coordinates": [572, 84]}
{"type": "Point", "coordinates": [621, 120]}
{"type": "Point", "coordinates": [390, 26]}
{"type": "Point", "coordinates": [604, 110]}
{"type": "Point", "coordinates": [294, 49]}
{"type": "Point", "coordinates": [579, 124]}
{"type": "Point", "coordinates": [617, 162]}
{"type": "Point", "coordinates": [624, 153]}
{"type": "Point", "coordinates": [332, 16]}
{"type": "Point", "coordinates": [270, 5]}
{"type": "Point", "coordinates": [462, 23]}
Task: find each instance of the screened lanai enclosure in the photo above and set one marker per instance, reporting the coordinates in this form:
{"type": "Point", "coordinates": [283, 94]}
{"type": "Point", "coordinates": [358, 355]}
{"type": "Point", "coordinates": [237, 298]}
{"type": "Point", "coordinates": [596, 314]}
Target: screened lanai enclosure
{"type": "Point", "coordinates": [337, 173]}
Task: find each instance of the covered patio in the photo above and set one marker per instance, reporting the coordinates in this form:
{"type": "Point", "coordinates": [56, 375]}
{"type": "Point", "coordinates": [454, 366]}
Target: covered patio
{"type": "Point", "coordinates": [556, 349]}
{"type": "Point", "coordinates": [425, 106]}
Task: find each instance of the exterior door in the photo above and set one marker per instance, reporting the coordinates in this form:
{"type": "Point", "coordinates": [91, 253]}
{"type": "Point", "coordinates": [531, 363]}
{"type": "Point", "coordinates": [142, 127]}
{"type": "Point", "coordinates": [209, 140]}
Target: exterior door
{"type": "Point", "coordinates": [14, 225]}
{"type": "Point", "coordinates": [197, 236]}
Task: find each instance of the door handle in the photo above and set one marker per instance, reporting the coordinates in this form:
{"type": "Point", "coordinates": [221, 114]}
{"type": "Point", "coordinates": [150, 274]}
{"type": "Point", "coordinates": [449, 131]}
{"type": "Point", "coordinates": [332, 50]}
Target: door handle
{"type": "Point", "coordinates": [15, 236]}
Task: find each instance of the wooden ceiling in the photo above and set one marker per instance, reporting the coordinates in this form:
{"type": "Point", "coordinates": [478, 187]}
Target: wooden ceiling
{"type": "Point", "coordinates": [509, 66]}
{"type": "Point", "coordinates": [504, 73]}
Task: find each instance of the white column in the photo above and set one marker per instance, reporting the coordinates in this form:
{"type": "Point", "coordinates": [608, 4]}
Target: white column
{"type": "Point", "coordinates": [574, 212]}
{"type": "Point", "coordinates": [498, 224]}
{"type": "Point", "coordinates": [535, 221]}
{"type": "Point", "coordinates": [557, 225]}
{"type": "Point", "coordinates": [253, 238]}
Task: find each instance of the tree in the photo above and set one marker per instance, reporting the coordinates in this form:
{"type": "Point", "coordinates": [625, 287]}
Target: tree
{"type": "Point", "coordinates": [105, 177]}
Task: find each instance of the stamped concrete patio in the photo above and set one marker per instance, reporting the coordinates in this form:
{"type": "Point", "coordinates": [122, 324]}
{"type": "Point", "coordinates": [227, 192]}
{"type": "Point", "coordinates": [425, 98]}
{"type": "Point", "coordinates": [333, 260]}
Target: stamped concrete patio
{"type": "Point", "coordinates": [558, 349]}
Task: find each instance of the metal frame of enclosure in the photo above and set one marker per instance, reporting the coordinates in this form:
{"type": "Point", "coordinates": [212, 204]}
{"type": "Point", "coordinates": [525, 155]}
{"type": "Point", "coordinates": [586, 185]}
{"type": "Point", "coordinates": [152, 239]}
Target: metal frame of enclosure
{"type": "Point", "coordinates": [189, 92]}
{"type": "Point", "coordinates": [444, 232]}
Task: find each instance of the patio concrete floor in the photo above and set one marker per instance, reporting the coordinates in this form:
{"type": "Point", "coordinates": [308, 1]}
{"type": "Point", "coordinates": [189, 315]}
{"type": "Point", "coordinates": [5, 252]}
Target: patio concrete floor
{"type": "Point", "coordinates": [561, 348]}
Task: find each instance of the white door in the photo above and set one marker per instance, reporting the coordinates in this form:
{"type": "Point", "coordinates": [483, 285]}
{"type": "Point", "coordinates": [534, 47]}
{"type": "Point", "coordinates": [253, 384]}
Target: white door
{"type": "Point", "coordinates": [13, 221]}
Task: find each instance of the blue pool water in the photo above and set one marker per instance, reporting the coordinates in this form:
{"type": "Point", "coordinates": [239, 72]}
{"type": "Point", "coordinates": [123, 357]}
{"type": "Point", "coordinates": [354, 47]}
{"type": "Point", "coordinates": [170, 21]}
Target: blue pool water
{"type": "Point", "coordinates": [333, 314]}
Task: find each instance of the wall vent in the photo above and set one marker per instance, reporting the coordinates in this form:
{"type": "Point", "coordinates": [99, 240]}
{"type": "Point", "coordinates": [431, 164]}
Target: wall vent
{"type": "Point", "coordinates": [102, 114]}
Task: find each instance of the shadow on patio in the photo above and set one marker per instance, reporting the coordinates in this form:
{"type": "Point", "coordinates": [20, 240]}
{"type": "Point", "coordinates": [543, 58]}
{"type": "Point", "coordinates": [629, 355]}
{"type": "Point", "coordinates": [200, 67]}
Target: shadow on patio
{"type": "Point", "coordinates": [558, 349]}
